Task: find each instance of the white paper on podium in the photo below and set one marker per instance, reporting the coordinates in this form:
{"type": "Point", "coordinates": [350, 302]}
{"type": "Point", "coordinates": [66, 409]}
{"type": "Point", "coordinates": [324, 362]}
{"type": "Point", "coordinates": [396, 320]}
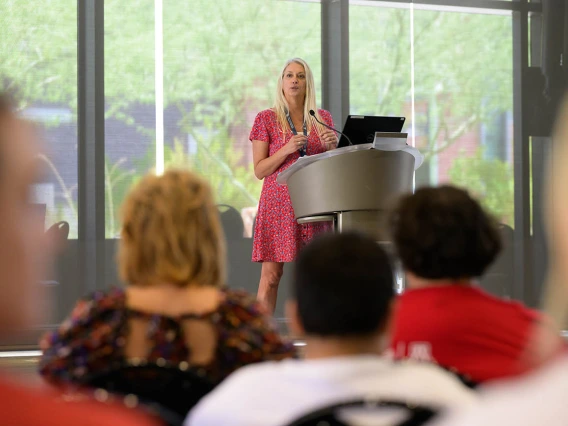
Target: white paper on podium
{"type": "Point", "coordinates": [302, 162]}
{"type": "Point", "coordinates": [388, 141]}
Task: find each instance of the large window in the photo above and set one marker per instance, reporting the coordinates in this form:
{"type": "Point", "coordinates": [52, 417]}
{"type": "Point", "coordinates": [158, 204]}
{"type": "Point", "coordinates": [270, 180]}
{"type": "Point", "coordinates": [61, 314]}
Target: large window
{"type": "Point", "coordinates": [38, 62]}
{"type": "Point", "coordinates": [130, 114]}
{"type": "Point", "coordinates": [219, 65]}
{"type": "Point", "coordinates": [450, 73]}
{"type": "Point", "coordinates": [380, 61]}
{"type": "Point", "coordinates": [464, 104]}
{"type": "Point", "coordinates": [220, 68]}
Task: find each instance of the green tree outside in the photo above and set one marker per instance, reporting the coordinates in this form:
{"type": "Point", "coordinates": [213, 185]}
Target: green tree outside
{"type": "Point", "coordinates": [490, 180]}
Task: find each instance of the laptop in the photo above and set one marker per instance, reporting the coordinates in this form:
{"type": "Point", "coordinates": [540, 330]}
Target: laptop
{"type": "Point", "coordinates": [361, 128]}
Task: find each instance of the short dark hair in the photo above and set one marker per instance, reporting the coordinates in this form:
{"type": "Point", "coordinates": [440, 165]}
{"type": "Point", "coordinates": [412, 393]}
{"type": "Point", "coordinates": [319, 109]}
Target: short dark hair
{"type": "Point", "coordinates": [343, 286]}
{"type": "Point", "coordinates": [444, 233]}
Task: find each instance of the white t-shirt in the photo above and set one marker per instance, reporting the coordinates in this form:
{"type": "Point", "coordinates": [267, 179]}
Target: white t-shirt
{"type": "Point", "coordinates": [536, 399]}
{"type": "Point", "coordinates": [276, 393]}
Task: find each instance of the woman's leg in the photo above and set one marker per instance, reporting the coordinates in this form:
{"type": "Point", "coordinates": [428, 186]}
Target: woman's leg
{"type": "Point", "coordinates": [270, 276]}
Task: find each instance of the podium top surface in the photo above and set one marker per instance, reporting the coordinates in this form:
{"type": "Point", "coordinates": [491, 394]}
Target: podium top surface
{"type": "Point", "coordinates": [305, 161]}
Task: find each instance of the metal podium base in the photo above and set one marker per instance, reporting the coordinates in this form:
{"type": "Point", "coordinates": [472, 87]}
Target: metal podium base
{"type": "Point", "coordinates": [369, 222]}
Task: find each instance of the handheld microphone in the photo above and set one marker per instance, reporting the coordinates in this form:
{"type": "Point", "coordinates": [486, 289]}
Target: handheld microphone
{"type": "Point", "coordinates": [313, 114]}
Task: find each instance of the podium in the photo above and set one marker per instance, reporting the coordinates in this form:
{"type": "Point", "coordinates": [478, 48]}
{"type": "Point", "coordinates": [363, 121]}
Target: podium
{"type": "Point", "coordinates": [354, 186]}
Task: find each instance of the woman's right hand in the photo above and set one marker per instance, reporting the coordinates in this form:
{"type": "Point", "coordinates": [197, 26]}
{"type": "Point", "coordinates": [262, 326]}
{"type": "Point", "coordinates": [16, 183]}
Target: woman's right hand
{"type": "Point", "coordinates": [296, 143]}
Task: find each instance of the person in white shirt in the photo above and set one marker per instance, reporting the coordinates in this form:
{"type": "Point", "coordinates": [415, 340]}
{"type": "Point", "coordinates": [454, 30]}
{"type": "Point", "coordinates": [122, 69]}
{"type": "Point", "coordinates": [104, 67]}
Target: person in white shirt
{"type": "Point", "coordinates": [539, 398]}
{"type": "Point", "coordinates": [342, 293]}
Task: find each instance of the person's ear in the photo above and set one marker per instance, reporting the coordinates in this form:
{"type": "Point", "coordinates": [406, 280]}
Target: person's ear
{"type": "Point", "coordinates": [295, 324]}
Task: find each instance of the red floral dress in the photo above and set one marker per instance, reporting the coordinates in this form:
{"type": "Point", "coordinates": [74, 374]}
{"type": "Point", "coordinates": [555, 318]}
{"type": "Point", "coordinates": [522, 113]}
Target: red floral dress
{"type": "Point", "coordinates": [277, 235]}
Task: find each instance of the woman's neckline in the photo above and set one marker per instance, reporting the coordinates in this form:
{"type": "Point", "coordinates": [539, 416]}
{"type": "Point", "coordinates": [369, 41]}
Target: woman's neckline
{"type": "Point", "coordinates": [174, 303]}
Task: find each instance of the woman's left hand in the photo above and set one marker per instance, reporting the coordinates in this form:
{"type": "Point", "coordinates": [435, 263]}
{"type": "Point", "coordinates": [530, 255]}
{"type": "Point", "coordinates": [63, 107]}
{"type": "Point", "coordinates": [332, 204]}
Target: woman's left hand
{"type": "Point", "coordinates": [329, 139]}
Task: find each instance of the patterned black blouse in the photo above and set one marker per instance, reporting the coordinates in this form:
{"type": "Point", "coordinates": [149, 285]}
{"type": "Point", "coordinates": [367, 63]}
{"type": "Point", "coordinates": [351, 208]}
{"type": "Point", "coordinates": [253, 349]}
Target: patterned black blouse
{"type": "Point", "coordinates": [94, 336]}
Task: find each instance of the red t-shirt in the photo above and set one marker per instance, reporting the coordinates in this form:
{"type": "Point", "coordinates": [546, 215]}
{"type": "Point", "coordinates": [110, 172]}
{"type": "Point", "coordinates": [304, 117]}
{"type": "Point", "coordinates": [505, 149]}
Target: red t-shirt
{"type": "Point", "coordinates": [464, 328]}
{"type": "Point", "coordinates": [23, 406]}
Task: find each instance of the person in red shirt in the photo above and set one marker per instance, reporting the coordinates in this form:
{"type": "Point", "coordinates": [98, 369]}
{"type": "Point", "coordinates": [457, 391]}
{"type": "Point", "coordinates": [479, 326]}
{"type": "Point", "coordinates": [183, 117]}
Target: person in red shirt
{"type": "Point", "coordinates": [445, 241]}
{"type": "Point", "coordinates": [24, 255]}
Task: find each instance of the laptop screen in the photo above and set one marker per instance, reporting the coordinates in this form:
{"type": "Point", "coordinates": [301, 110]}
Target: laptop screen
{"type": "Point", "coordinates": [361, 128]}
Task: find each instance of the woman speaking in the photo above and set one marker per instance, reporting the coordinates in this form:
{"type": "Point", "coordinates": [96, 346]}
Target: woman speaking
{"type": "Point", "coordinates": [280, 135]}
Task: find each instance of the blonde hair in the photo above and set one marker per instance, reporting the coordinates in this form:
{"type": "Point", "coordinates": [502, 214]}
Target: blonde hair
{"type": "Point", "coordinates": [281, 104]}
{"type": "Point", "coordinates": [171, 232]}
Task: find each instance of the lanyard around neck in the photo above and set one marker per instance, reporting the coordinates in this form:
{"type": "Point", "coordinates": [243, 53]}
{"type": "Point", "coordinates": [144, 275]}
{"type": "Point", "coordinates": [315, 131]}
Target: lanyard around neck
{"type": "Point", "coordinates": [295, 132]}
{"type": "Point", "coordinates": [293, 128]}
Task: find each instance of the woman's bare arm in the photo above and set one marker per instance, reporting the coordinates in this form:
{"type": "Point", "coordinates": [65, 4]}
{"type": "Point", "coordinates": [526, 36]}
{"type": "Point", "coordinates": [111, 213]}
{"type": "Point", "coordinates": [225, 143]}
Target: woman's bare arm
{"type": "Point", "coordinates": [264, 164]}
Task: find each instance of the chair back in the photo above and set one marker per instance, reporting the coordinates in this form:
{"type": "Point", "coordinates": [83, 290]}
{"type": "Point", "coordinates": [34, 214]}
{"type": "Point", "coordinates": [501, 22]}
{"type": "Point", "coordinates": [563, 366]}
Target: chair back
{"type": "Point", "coordinates": [232, 222]}
{"type": "Point", "coordinates": [499, 278]}
{"type": "Point", "coordinates": [168, 390]}
{"type": "Point", "coordinates": [361, 412]}
{"type": "Point", "coordinates": [59, 232]}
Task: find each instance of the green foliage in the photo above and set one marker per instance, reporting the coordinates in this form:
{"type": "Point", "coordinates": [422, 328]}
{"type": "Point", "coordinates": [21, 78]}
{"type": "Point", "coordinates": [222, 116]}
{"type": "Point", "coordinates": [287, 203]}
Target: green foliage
{"type": "Point", "coordinates": [462, 63]}
{"type": "Point", "coordinates": [215, 160]}
{"type": "Point", "coordinates": [490, 180]}
{"type": "Point", "coordinates": [217, 71]}
{"type": "Point", "coordinates": [118, 180]}
{"type": "Point", "coordinates": [38, 51]}
{"type": "Point", "coordinates": [231, 182]}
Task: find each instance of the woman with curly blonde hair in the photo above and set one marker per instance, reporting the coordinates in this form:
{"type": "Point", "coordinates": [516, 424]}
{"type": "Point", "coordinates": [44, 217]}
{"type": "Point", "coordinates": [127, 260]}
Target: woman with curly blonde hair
{"type": "Point", "coordinates": [175, 307]}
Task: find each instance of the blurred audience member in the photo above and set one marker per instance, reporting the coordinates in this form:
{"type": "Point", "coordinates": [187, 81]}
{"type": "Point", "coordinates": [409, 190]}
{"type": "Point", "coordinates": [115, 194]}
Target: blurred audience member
{"type": "Point", "coordinates": [342, 292]}
{"type": "Point", "coordinates": [445, 242]}
{"type": "Point", "coordinates": [539, 398]}
{"type": "Point", "coordinates": [24, 256]}
{"type": "Point", "coordinates": [175, 308]}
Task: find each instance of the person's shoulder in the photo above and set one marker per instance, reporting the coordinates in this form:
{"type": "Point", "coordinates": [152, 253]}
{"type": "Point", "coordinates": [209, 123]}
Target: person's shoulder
{"type": "Point", "coordinates": [514, 401]}
{"type": "Point", "coordinates": [255, 372]}
{"type": "Point", "coordinates": [266, 114]}
{"type": "Point", "coordinates": [251, 324]}
{"type": "Point", "coordinates": [93, 305]}
{"type": "Point", "coordinates": [512, 306]}
{"type": "Point", "coordinates": [420, 294]}
{"type": "Point", "coordinates": [238, 297]}
{"type": "Point", "coordinates": [89, 313]}
{"type": "Point", "coordinates": [444, 386]}
{"type": "Point", "coordinates": [241, 311]}
{"type": "Point", "coordinates": [252, 378]}
{"type": "Point", "coordinates": [237, 394]}
{"type": "Point", "coordinates": [324, 113]}
{"type": "Point", "coordinates": [242, 301]}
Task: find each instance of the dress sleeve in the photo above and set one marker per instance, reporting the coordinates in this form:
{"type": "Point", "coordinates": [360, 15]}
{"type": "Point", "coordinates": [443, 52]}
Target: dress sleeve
{"type": "Point", "coordinates": [259, 131]}
{"type": "Point", "coordinates": [326, 117]}
{"type": "Point", "coordinates": [71, 349]}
